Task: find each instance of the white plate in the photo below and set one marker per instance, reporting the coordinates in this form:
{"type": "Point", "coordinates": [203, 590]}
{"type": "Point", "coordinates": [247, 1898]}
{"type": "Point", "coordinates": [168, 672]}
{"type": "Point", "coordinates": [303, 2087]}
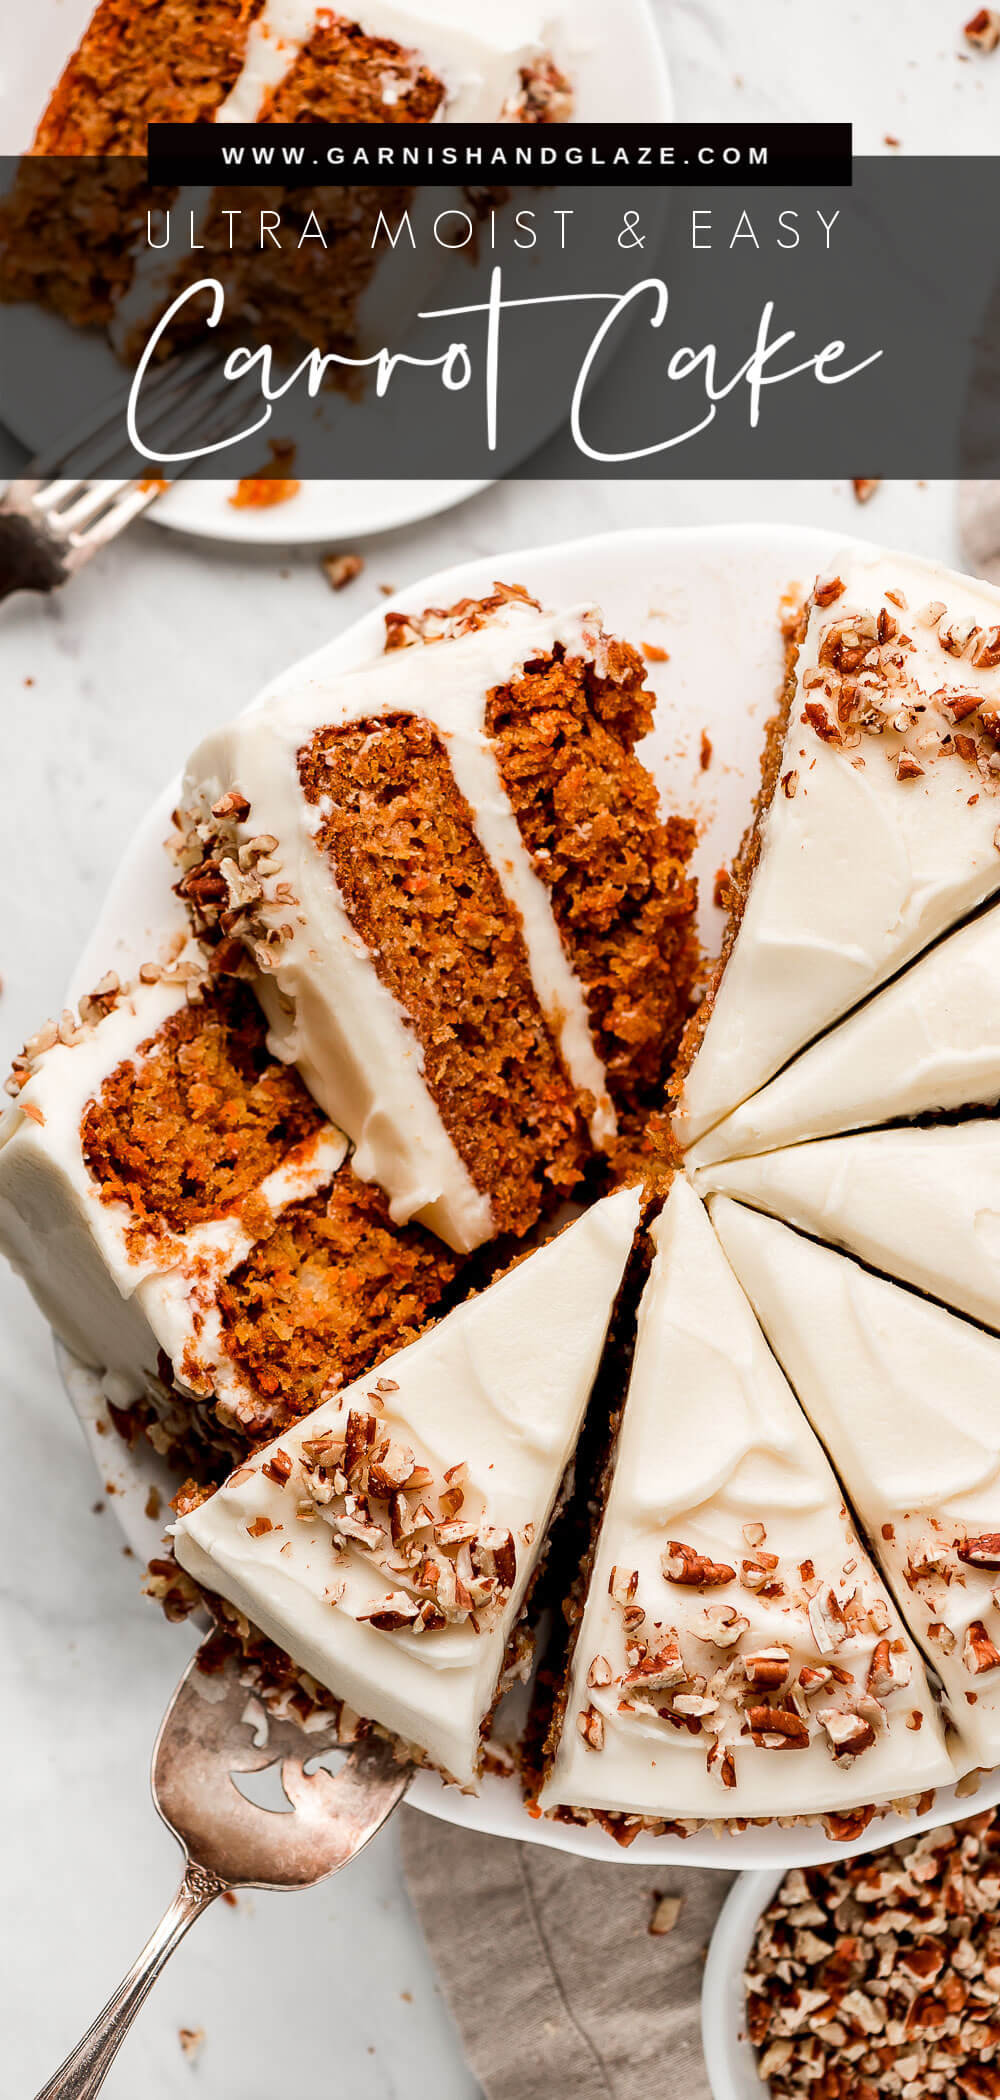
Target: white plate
{"type": "Point", "coordinates": [620, 76]}
{"type": "Point", "coordinates": [711, 597]}
{"type": "Point", "coordinates": [730, 2058]}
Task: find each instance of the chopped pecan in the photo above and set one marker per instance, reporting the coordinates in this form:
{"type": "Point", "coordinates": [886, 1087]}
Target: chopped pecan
{"type": "Point", "coordinates": [693, 1570]}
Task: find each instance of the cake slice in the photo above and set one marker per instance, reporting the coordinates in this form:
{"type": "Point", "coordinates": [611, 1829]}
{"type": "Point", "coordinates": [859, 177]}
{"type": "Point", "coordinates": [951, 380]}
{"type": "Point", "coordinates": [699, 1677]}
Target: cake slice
{"type": "Point", "coordinates": [921, 1204]}
{"type": "Point", "coordinates": [388, 1542]}
{"type": "Point", "coordinates": [928, 1041]}
{"type": "Point", "coordinates": [187, 1219]}
{"type": "Point", "coordinates": [878, 824]}
{"type": "Point", "coordinates": [738, 1653]}
{"type": "Point", "coordinates": [906, 1399]}
{"type": "Point", "coordinates": [468, 923]}
{"type": "Point", "coordinates": [295, 61]}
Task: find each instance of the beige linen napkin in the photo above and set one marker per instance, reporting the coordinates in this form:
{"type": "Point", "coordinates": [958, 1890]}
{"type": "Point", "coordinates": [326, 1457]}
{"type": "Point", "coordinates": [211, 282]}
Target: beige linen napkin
{"type": "Point", "coordinates": [556, 1983]}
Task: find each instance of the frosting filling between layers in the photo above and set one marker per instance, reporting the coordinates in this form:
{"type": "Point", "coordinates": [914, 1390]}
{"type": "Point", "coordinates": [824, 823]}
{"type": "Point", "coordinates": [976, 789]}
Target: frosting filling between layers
{"type": "Point", "coordinates": [738, 1655]}
{"type": "Point", "coordinates": [883, 830]}
{"type": "Point", "coordinates": [906, 1398]}
{"type": "Point", "coordinates": [479, 1418]}
{"type": "Point", "coordinates": [921, 1204]}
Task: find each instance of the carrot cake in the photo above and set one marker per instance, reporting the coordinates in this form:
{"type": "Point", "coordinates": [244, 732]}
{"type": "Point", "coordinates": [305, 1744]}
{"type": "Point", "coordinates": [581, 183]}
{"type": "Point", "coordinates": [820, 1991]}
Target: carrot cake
{"type": "Point", "coordinates": [921, 1204]}
{"type": "Point", "coordinates": [189, 1221]}
{"type": "Point", "coordinates": [294, 61]}
{"type": "Point", "coordinates": [388, 1543]}
{"type": "Point", "coordinates": [738, 1655]}
{"type": "Point", "coordinates": [468, 923]}
{"type": "Point", "coordinates": [83, 244]}
{"type": "Point", "coordinates": [929, 1042]}
{"type": "Point", "coordinates": [878, 824]}
{"type": "Point", "coordinates": [906, 1399]}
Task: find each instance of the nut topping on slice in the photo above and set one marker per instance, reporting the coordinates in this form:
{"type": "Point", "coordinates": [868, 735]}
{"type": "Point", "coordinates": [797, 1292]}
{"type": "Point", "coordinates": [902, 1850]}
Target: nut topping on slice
{"type": "Point", "coordinates": [978, 1651]}
{"type": "Point", "coordinates": [982, 1552]}
{"type": "Point", "coordinates": [693, 1570]}
{"type": "Point", "coordinates": [776, 1727]}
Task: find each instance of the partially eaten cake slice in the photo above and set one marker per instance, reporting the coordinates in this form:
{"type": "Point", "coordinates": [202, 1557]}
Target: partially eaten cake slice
{"type": "Point", "coordinates": [738, 1653]}
{"type": "Point", "coordinates": [921, 1204]}
{"type": "Point", "coordinates": [189, 1221]}
{"type": "Point", "coordinates": [877, 826]}
{"type": "Point", "coordinates": [387, 1543]}
{"type": "Point", "coordinates": [468, 923]}
{"type": "Point", "coordinates": [929, 1041]}
{"type": "Point", "coordinates": [906, 1399]}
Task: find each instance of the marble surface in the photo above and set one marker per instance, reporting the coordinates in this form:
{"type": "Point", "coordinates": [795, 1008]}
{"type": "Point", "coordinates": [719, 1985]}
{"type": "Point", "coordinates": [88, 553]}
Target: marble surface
{"type": "Point", "coordinates": [106, 688]}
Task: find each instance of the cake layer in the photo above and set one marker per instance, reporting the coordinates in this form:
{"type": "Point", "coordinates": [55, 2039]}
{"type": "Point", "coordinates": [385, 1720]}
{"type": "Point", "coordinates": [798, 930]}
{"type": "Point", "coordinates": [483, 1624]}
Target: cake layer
{"type": "Point", "coordinates": [470, 927]}
{"type": "Point", "coordinates": [921, 1204]}
{"type": "Point", "coordinates": [387, 1543]}
{"type": "Point", "coordinates": [883, 825]}
{"type": "Point", "coordinates": [739, 1654]}
{"type": "Point", "coordinates": [181, 1210]}
{"type": "Point", "coordinates": [906, 1399]}
{"type": "Point", "coordinates": [928, 1041]}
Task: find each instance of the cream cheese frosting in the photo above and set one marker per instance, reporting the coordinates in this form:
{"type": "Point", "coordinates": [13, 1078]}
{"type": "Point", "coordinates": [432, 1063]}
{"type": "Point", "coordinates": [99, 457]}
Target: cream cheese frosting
{"type": "Point", "coordinates": [739, 1655]}
{"type": "Point", "coordinates": [328, 1010]}
{"type": "Point", "coordinates": [477, 54]}
{"type": "Point", "coordinates": [921, 1204]}
{"type": "Point", "coordinates": [929, 1041]}
{"type": "Point", "coordinates": [884, 828]}
{"type": "Point", "coordinates": [906, 1398]}
{"type": "Point", "coordinates": [115, 1302]}
{"type": "Point", "coordinates": [350, 1578]}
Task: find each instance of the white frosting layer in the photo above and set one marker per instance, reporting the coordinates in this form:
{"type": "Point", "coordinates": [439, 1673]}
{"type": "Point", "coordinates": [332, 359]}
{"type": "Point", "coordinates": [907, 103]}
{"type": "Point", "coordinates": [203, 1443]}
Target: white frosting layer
{"type": "Point", "coordinates": [713, 1443]}
{"type": "Point", "coordinates": [930, 1040]}
{"type": "Point", "coordinates": [858, 870]}
{"type": "Point", "coordinates": [907, 1400]}
{"type": "Point", "coordinates": [327, 1007]}
{"type": "Point", "coordinates": [116, 1304]}
{"type": "Point", "coordinates": [476, 53]}
{"type": "Point", "coordinates": [501, 1384]}
{"type": "Point", "coordinates": [924, 1205]}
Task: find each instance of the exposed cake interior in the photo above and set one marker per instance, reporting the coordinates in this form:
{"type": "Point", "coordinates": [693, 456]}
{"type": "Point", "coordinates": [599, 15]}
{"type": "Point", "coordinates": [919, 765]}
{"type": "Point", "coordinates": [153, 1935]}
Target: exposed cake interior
{"type": "Point", "coordinates": [327, 1293]}
{"type": "Point", "coordinates": [427, 902]}
{"type": "Point", "coordinates": [470, 923]}
{"type": "Point", "coordinates": [188, 1128]}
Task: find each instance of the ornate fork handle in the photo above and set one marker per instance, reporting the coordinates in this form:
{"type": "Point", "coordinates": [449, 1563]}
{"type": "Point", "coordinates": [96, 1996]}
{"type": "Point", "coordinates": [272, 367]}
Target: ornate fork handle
{"type": "Point", "coordinates": [85, 2069]}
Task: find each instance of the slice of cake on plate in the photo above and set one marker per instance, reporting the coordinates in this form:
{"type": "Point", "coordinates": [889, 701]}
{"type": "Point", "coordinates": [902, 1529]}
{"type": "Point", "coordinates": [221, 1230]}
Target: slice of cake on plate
{"type": "Point", "coordinates": [295, 61]}
{"type": "Point", "coordinates": [469, 925]}
{"type": "Point", "coordinates": [877, 826]}
{"type": "Point", "coordinates": [906, 1398]}
{"type": "Point", "coordinates": [94, 239]}
{"type": "Point", "coordinates": [928, 1041]}
{"type": "Point", "coordinates": [188, 1220]}
{"type": "Point", "coordinates": [738, 1654]}
{"type": "Point", "coordinates": [388, 1542]}
{"type": "Point", "coordinates": [921, 1204]}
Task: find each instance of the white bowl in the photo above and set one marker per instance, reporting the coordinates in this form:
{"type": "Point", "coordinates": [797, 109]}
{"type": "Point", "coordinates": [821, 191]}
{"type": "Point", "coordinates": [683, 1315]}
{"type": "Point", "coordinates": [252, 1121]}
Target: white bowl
{"type": "Point", "coordinates": [730, 2060]}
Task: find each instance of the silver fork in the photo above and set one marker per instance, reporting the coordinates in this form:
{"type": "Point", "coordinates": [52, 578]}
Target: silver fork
{"type": "Point", "coordinates": [206, 1736]}
{"type": "Point", "coordinates": [72, 502]}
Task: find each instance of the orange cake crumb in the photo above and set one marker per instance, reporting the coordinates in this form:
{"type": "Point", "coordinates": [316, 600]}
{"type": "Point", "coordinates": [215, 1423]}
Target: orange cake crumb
{"type": "Point", "coordinates": [190, 1128]}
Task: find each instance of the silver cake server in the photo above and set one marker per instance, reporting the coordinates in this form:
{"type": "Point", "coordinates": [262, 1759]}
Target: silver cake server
{"type": "Point", "coordinates": [211, 1730]}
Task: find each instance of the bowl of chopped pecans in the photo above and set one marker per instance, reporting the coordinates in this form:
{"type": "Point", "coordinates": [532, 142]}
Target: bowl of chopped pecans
{"type": "Point", "coordinates": [874, 1975]}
